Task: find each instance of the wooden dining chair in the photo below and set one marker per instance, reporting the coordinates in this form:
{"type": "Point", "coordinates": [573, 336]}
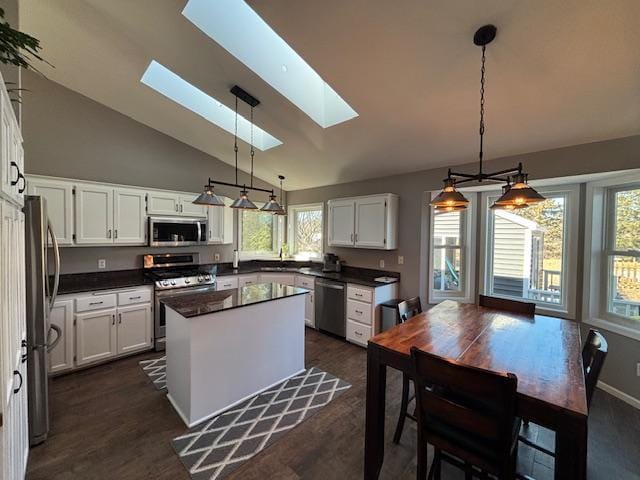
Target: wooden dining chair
{"type": "Point", "coordinates": [594, 353]}
{"type": "Point", "coordinates": [469, 416]}
{"type": "Point", "coordinates": [515, 306]}
{"type": "Point", "coordinates": [406, 310]}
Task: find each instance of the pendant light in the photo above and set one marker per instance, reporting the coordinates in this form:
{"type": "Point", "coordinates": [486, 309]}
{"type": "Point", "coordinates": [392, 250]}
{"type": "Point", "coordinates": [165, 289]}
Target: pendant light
{"type": "Point", "coordinates": [243, 202]}
{"type": "Point", "coordinates": [283, 210]}
{"type": "Point", "coordinates": [516, 195]}
{"type": "Point", "coordinates": [208, 198]}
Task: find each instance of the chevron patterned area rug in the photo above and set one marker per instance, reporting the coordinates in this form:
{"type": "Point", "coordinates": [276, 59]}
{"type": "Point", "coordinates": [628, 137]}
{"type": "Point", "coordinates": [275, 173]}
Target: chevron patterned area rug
{"type": "Point", "coordinates": [156, 369]}
{"type": "Point", "coordinates": [216, 447]}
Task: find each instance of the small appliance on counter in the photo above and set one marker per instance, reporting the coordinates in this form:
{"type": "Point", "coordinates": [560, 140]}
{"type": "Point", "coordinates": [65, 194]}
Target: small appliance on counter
{"type": "Point", "coordinates": [331, 263]}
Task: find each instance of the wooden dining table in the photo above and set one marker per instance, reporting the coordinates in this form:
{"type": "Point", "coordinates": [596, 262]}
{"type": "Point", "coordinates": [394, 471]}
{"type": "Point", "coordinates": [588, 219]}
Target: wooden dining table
{"type": "Point", "coordinates": [543, 352]}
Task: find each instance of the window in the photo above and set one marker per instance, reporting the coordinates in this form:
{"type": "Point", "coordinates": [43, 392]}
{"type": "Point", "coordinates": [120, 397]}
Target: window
{"type": "Point", "coordinates": [305, 231]}
{"type": "Point", "coordinates": [450, 258]}
{"type": "Point", "coordinates": [622, 253]}
{"type": "Point", "coordinates": [259, 234]}
{"type": "Point", "coordinates": [527, 253]}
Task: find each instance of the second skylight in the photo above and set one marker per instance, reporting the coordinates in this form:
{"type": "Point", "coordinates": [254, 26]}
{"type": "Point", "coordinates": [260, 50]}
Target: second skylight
{"type": "Point", "coordinates": [241, 31]}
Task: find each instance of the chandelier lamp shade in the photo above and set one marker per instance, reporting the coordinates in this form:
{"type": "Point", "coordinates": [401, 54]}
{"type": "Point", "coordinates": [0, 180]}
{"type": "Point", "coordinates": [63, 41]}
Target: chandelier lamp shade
{"type": "Point", "coordinates": [282, 210]}
{"type": "Point", "coordinates": [516, 192]}
{"type": "Point", "coordinates": [208, 198]}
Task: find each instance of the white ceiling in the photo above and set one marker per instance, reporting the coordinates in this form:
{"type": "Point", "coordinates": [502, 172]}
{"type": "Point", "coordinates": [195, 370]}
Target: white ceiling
{"type": "Point", "coordinates": [558, 74]}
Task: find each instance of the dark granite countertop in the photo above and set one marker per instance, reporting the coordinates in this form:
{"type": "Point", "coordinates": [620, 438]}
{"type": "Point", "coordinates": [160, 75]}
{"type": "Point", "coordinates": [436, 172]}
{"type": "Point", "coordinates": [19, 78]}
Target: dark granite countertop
{"type": "Point", "coordinates": [92, 281]}
{"type": "Point", "coordinates": [88, 282]}
{"type": "Point", "coordinates": [203, 303]}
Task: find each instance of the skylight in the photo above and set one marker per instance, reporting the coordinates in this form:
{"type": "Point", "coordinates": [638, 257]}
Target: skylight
{"type": "Point", "coordinates": [164, 81]}
{"type": "Point", "coordinates": [240, 31]}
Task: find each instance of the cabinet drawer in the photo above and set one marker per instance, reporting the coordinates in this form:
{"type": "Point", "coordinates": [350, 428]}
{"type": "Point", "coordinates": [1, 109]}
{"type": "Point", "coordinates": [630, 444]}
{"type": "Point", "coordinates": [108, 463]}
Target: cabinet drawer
{"type": "Point", "coordinates": [361, 294]}
{"type": "Point", "coordinates": [305, 282]}
{"type": "Point", "coordinates": [134, 296]}
{"type": "Point", "coordinates": [227, 283]}
{"type": "Point", "coordinates": [358, 333]}
{"type": "Point", "coordinates": [359, 311]}
{"type": "Point", "coordinates": [95, 302]}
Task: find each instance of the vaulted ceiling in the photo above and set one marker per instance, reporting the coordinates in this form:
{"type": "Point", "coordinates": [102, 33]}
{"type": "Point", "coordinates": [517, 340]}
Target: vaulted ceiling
{"type": "Point", "coordinates": [558, 74]}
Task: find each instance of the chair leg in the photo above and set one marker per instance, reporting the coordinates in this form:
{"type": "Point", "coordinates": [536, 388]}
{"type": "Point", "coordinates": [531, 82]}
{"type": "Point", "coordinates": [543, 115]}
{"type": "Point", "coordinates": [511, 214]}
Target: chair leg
{"type": "Point", "coordinates": [423, 461]}
{"type": "Point", "coordinates": [404, 405]}
{"type": "Point", "coordinates": [437, 464]}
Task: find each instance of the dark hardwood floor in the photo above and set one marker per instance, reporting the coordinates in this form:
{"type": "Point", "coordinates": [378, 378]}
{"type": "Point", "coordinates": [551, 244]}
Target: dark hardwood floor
{"type": "Point", "coordinates": [109, 422]}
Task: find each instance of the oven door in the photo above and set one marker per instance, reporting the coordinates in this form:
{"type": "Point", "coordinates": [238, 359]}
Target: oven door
{"type": "Point", "coordinates": [160, 323]}
{"type": "Point", "coordinates": [177, 232]}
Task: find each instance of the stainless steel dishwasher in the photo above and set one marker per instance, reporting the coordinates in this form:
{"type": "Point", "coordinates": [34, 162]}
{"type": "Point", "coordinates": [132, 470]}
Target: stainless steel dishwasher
{"type": "Point", "coordinates": [330, 297]}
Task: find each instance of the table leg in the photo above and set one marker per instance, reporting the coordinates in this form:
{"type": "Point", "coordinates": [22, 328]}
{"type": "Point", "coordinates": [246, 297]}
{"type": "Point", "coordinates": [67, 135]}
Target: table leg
{"type": "Point", "coordinates": [571, 450]}
{"type": "Point", "coordinates": [374, 419]}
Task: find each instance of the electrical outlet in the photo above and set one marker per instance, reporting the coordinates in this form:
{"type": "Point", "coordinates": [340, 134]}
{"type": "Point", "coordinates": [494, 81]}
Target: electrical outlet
{"type": "Point", "coordinates": [381, 263]}
{"type": "Point", "coordinates": [400, 260]}
{"type": "Point", "coordinates": [216, 257]}
{"type": "Point", "coordinates": [102, 263]}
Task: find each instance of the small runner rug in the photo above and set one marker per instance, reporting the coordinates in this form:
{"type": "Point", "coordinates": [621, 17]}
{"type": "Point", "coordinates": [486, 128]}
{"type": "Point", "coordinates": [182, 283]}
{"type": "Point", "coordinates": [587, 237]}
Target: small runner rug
{"type": "Point", "coordinates": [216, 447]}
{"type": "Point", "coordinates": [156, 369]}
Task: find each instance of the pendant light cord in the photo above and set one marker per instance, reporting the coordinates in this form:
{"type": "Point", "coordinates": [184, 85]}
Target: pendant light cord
{"type": "Point", "coordinates": [252, 151]}
{"type": "Point", "coordinates": [482, 106]}
{"type": "Point", "coordinates": [235, 140]}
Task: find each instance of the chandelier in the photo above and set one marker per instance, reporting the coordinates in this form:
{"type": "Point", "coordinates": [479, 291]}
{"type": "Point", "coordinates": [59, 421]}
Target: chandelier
{"type": "Point", "coordinates": [516, 192]}
{"type": "Point", "coordinates": [210, 199]}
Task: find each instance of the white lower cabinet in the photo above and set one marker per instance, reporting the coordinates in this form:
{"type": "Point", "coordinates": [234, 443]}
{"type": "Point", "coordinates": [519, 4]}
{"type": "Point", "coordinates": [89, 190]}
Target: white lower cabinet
{"type": "Point", "coordinates": [248, 279]}
{"type": "Point", "coordinates": [363, 310]}
{"type": "Point", "coordinates": [134, 328]}
{"type": "Point", "coordinates": [282, 278]}
{"type": "Point", "coordinates": [100, 326]}
{"type": "Point", "coordinates": [96, 336]}
{"type": "Point", "coordinates": [61, 357]}
{"type": "Point", "coordinates": [310, 309]}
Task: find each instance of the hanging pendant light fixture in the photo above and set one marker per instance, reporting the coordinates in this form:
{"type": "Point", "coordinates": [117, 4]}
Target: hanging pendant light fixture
{"type": "Point", "coordinates": [516, 195]}
{"type": "Point", "coordinates": [242, 202]}
{"type": "Point", "coordinates": [283, 210]}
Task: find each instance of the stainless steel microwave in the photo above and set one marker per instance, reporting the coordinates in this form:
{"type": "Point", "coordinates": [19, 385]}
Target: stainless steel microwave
{"type": "Point", "coordinates": [177, 231]}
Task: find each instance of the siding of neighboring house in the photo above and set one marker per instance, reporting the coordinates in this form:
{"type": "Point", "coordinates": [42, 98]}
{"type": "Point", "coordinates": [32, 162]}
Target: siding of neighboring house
{"type": "Point", "coordinates": [511, 255]}
{"type": "Point", "coordinates": [446, 225]}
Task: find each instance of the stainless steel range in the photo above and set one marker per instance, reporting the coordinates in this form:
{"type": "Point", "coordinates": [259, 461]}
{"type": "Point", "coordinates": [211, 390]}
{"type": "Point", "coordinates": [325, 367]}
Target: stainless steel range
{"type": "Point", "coordinates": [175, 274]}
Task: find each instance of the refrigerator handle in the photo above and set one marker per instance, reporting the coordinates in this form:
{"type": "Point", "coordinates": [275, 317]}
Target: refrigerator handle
{"type": "Point", "coordinates": [58, 330]}
{"type": "Point", "coordinates": [56, 261]}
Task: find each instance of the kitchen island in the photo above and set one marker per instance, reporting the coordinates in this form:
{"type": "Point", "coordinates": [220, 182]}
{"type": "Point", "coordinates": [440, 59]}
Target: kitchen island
{"type": "Point", "coordinates": [224, 347]}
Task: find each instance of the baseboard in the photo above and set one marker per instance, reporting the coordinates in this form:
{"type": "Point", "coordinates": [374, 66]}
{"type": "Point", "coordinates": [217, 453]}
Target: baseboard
{"type": "Point", "coordinates": [625, 397]}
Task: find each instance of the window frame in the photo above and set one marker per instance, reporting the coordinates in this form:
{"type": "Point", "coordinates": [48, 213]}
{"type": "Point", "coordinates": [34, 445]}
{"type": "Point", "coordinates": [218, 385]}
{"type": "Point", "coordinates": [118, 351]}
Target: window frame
{"type": "Point", "coordinates": [599, 232]}
{"type": "Point", "coordinates": [467, 252]}
{"type": "Point", "coordinates": [278, 229]}
{"type": "Point", "coordinates": [291, 227]}
{"type": "Point", "coordinates": [567, 308]}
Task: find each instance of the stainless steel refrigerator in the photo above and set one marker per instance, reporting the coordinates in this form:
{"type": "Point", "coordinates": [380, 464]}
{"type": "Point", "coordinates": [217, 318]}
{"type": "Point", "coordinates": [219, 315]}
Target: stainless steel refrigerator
{"type": "Point", "coordinates": [42, 336]}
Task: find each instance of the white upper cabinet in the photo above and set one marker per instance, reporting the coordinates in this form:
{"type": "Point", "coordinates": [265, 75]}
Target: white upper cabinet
{"type": "Point", "coordinates": [94, 214]}
{"type": "Point", "coordinates": [341, 222]}
{"type": "Point", "coordinates": [59, 197]}
{"type": "Point", "coordinates": [163, 203]}
{"type": "Point", "coordinates": [107, 215]}
{"type": "Point", "coordinates": [364, 222]}
{"type": "Point", "coordinates": [129, 216]}
{"type": "Point", "coordinates": [220, 220]}
{"type": "Point", "coordinates": [190, 209]}
{"type": "Point", "coordinates": [12, 183]}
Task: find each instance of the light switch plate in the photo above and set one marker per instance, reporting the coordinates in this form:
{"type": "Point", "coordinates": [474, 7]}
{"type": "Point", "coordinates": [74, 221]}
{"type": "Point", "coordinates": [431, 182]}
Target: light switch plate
{"type": "Point", "coordinates": [400, 260]}
{"type": "Point", "coordinates": [381, 263]}
{"type": "Point", "coordinates": [216, 257]}
{"type": "Point", "coordinates": [102, 263]}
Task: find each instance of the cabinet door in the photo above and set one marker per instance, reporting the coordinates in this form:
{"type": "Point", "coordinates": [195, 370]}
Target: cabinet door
{"type": "Point", "coordinates": [244, 280]}
{"type": "Point", "coordinates": [61, 357]}
{"type": "Point", "coordinates": [216, 224]}
{"type": "Point", "coordinates": [282, 278]}
{"type": "Point", "coordinates": [94, 214]}
{"type": "Point", "coordinates": [309, 310]}
{"type": "Point", "coordinates": [190, 209]}
{"type": "Point", "coordinates": [370, 222]}
{"type": "Point", "coordinates": [18, 157]}
{"type": "Point", "coordinates": [9, 171]}
{"type": "Point", "coordinates": [341, 223]}
{"type": "Point", "coordinates": [134, 328]}
{"type": "Point", "coordinates": [59, 197]}
{"type": "Point", "coordinates": [129, 216]}
{"type": "Point", "coordinates": [163, 203]}
{"type": "Point", "coordinates": [95, 336]}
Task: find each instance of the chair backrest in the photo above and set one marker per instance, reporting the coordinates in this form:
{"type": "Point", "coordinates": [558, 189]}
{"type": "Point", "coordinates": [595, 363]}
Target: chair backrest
{"type": "Point", "coordinates": [594, 353]}
{"type": "Point", "coordinates": [409, 308]}
{"type": "Point", "coordinates": [516, 306]}
{"type": "Point", "coordinates": [468, 401]}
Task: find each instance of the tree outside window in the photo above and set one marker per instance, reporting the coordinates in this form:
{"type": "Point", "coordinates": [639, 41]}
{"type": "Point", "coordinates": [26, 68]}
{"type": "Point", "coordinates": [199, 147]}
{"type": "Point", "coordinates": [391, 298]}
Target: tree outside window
{"type": "Point", "coordinates": [305, 231]}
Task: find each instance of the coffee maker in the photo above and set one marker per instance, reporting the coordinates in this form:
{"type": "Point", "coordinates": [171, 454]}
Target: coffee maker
{"type": "Point", "coordinates": [331, 263]}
